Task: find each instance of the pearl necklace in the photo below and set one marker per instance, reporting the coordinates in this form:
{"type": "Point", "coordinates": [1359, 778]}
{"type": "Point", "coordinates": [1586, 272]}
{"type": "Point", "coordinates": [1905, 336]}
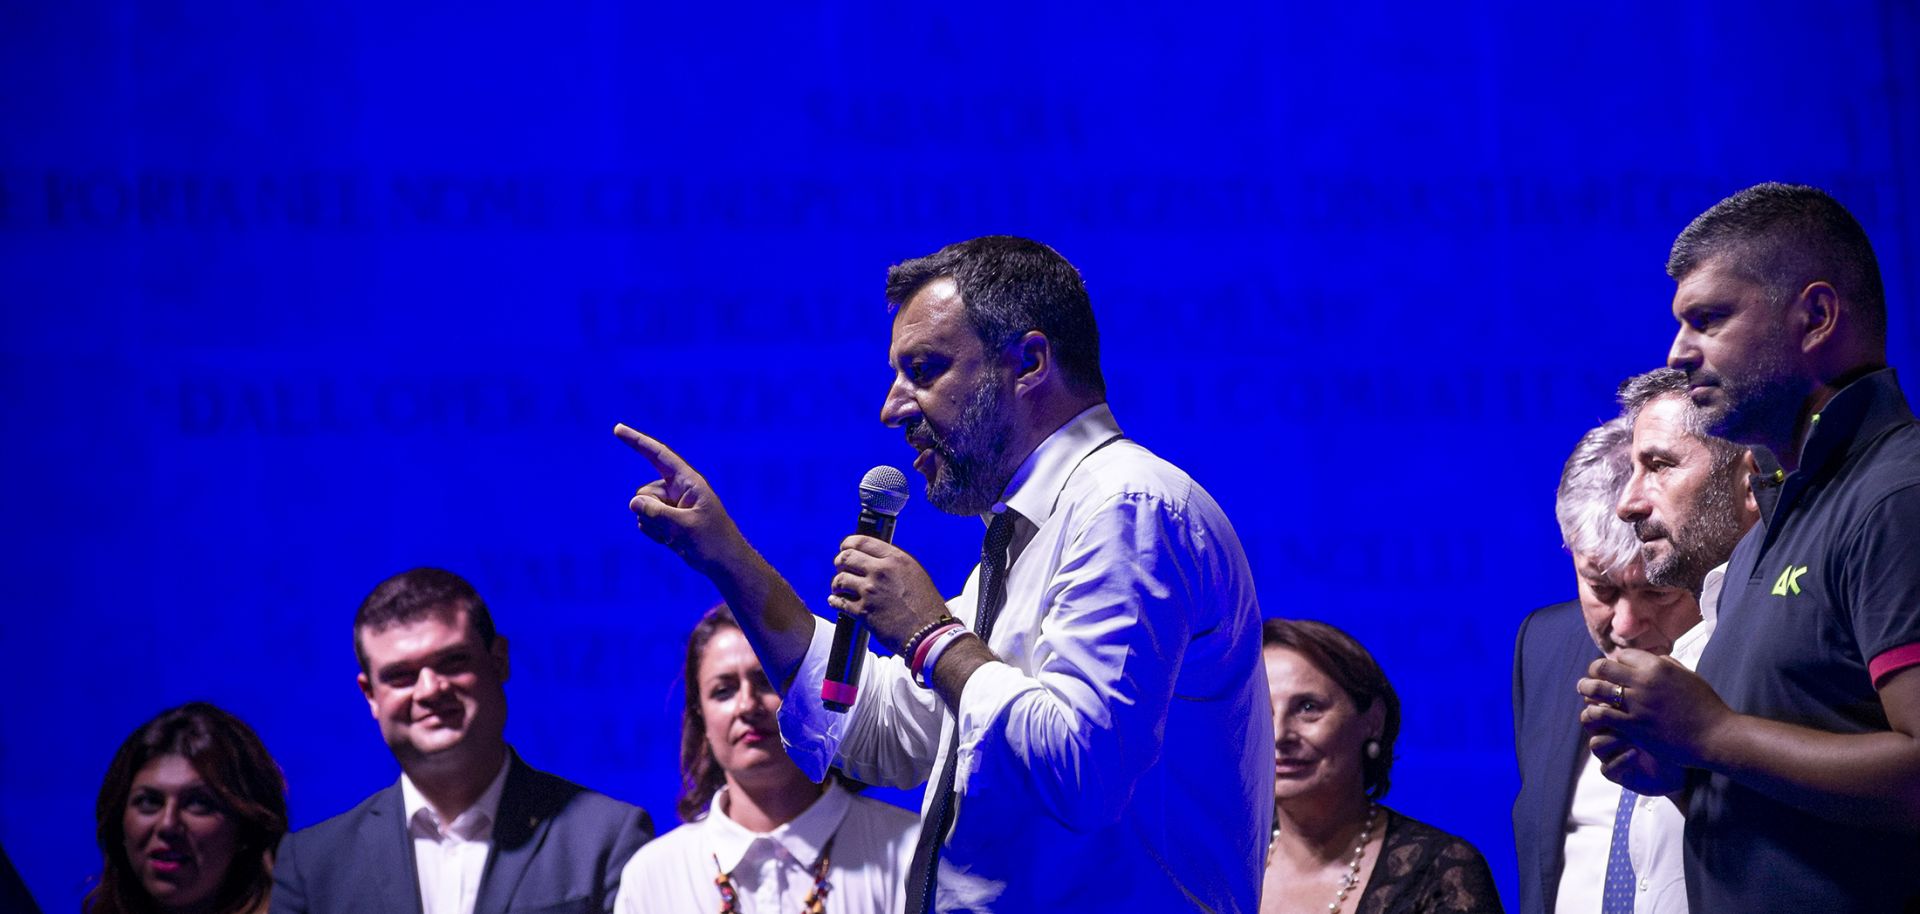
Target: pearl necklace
{"type": "Point", "coordinates": [1352, 877]}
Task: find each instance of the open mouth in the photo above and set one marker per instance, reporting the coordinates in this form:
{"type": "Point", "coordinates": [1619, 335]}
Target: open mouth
{"type": "Point", "coordinates": [168, 862]}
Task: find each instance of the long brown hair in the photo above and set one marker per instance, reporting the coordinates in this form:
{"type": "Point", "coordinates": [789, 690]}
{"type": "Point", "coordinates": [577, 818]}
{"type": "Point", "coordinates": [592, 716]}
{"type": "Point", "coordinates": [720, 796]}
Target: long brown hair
{"type": "Point", "coordinates": [252, 793]}
{"type": "Point", "coordinates": [700, 774]}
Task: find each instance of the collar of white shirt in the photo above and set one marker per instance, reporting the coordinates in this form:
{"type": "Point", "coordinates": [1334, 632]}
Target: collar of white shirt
{"type": "Point", "coordinates": [473, 825]}
{"type": "Point", "coordinates": [1710, 592]}
{"type": "Point", "coordinates": [803, 838]}
{"type": "Point", "coordinates": [1688, 647]}
{"type": "Point", "coordinates": [1035, 489]}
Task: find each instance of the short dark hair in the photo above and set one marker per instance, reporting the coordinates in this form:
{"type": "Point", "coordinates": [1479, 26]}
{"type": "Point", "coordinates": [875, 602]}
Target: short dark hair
{"type": "Point", "coordinates": [1784, 237]}
{"type": "Point", "coordinates": [1341, 658]}
{"type": "Point", "coordinates": [1009, 286]}
{"type": "Point", "coordinates": [414, 595]}
{"type": "Point", "coordinates": [1641, 389]}
{"type": "Point", "coordinates": [246, 781]}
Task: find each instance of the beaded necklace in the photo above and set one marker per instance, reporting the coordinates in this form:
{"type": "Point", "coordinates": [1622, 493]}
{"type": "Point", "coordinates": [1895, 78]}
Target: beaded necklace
{"type": "Point", "coordinates": [816, 902]}
{"type": "Point", "coordinates": [1351, 877]}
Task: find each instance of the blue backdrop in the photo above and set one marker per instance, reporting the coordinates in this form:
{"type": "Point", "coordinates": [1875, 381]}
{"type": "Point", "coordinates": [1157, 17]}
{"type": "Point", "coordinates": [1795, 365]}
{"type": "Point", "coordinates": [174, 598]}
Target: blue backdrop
{"type": "Point", "coordinates": [298, 297]}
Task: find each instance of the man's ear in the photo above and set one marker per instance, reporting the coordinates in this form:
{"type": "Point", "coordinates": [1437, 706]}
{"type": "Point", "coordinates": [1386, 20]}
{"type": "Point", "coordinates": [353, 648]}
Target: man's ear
{"type": "Point", "coordinates": [366, 691]}
{"type": "Point", "coordinates": [1751, 468]}
{"type": "Point", "coordinates": [499, 654]}
{"type": "Point", "coordinates": [1033, 363]}
{"type": "Point", "coordinates": [1819, 307]}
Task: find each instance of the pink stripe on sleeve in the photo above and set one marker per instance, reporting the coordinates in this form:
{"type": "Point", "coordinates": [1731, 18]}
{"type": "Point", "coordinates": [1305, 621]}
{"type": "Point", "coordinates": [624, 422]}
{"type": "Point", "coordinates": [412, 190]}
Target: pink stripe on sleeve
{"type": "Point", "coordinates": [1893, 661]}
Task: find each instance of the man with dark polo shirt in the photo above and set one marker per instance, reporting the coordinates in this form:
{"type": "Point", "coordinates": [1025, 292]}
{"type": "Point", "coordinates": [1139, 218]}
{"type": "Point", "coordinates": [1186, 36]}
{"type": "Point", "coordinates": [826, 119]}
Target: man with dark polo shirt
{"type": "Point", "coordinates": [1796, 743]}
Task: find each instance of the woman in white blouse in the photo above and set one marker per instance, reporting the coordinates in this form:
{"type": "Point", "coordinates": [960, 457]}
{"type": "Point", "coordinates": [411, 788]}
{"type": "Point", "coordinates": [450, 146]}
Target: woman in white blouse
{"type": "Point", "coordinates": [759, 837]}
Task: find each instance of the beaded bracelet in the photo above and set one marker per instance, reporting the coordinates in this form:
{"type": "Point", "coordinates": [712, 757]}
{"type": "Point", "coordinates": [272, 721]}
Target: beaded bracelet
{"type": "Point", "coordinates": [913, 644]}
{"type": "Point", "coordinates": [923, 673]}
{"type": "Point", "coordinates": [919, 654]}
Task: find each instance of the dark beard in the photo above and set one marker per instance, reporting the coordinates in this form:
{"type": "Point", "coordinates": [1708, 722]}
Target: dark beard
{"type": "Point", "coordinates": [1760, 408]}
{"type": "Point", "coordinates": [968, 478]}
{"type": "Point", "coordinates": [1761, 411]}
{"type": "Point", "coordinates": [1706, 541]}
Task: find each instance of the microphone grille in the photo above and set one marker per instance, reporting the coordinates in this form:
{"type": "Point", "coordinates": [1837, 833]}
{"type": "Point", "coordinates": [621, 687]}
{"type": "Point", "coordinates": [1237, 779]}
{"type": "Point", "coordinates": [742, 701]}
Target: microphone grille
{"type": "Point", "coordinates": [884, 489]}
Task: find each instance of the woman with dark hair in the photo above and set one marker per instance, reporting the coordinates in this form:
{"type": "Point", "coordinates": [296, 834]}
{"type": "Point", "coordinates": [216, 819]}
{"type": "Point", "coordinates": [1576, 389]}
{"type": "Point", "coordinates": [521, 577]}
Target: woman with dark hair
{"type": "Point", "coordinates": [1335, 848]}
{"type": "Point", "coordinates": [188, 818]}
{"type": "Point", "coordinates": [759, 837]}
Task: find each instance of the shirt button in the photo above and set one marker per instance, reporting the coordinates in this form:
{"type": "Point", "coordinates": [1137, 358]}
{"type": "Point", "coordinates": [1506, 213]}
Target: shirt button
{"type": "Point", "coordinates": [1645, 884]}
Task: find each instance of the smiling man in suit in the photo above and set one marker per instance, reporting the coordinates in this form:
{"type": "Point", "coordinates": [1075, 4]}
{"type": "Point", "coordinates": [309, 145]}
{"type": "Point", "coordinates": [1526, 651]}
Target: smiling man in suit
{"type": "Point", "coordinates": [1649, 505]}
{"type": "Point", "coordinates": [469, 828]}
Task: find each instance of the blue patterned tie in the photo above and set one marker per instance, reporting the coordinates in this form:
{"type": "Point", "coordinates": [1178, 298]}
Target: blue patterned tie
{"type": "Point", "coordinates": [923, 873]}
{"type": "Point", "coordinates": [1617, 896]}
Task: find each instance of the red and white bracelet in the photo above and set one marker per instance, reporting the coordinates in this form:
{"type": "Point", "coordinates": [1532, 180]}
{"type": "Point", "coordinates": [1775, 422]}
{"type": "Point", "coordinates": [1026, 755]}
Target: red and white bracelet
{"type": "Point", "coordinates": [929, 653]}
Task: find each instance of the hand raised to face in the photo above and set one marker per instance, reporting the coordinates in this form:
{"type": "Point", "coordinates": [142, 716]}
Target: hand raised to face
{"type": "Point", "coordinates": [1653, 702]}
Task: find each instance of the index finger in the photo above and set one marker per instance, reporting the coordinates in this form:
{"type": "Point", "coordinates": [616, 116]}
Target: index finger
{"type": "Point", "coordinates": [664, 460]}
{"type": "Point", "coordinates": [868, 545]}
{"type": "Point", "coordinates": [1615, 669]}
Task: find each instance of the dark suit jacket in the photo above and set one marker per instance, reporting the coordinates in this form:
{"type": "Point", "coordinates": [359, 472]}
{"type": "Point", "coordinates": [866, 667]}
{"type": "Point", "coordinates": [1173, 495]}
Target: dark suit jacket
{"type": "Point", "coordinates": [1551, 654]}
{"type": "Point", "coordinates": [557, 847]}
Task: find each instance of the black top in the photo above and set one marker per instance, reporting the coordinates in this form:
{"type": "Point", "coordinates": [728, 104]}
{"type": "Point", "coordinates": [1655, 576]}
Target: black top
{"type": "Point", "coordinates": [1423, 870]}
{"type": "Point", "coordinates": [1828, 584]}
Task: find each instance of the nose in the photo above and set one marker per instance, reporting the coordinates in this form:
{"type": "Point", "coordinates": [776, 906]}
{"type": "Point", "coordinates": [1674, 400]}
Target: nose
{"type": "Point", "coordinates": [169, 820]}
{"type": "Point", "coordinates": [898, 407]}
{"type": "Point", "coordinates": [749, 702]}
{"type": "Point", "coordinates": [1683, 355]}
{"type": "Point", "coordinates": [430, 684]}
{"type": "Point", "coordinates": [1629, 623]}
{"type": "Point", "coordinates": [1633, 506]}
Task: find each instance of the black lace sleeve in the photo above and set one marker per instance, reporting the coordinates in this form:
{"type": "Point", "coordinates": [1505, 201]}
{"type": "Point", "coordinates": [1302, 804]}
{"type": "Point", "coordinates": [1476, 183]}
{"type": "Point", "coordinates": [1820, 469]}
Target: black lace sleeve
{"type": "Point", "coordinates": [1423, 870]}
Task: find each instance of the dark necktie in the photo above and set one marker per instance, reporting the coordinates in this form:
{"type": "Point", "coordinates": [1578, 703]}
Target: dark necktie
{"type": "Point", "coordinates": [1616, 897]}
{"type": "Point", "coordinates": [921, 876]}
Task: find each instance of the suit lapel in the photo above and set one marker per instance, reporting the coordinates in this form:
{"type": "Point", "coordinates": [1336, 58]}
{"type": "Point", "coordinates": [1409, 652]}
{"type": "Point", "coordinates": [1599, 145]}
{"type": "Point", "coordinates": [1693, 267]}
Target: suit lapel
{"type": "Point", "coordinates": [518, 832]}
{"type": "Point", "coordinates": [395, 876]}
{"type": "Point", "coordinates": [1565, 740]}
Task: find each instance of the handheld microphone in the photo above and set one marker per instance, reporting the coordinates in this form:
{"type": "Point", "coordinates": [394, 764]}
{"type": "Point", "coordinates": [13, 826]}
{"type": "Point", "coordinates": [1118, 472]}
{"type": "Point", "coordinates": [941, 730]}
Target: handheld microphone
{"type": "Point", "coordinates": [883, 492]}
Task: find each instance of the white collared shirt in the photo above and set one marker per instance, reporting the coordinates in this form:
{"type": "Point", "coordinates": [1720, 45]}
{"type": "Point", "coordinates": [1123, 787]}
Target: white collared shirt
{"type": "Point", "coordinates": [1655, 837]}
{"type": "Point", "coordinates": [1129, 700]}
{"type": "Point", "coordinates": [451, 857]}
{"type": "Point", "coordinates": [773, 872]}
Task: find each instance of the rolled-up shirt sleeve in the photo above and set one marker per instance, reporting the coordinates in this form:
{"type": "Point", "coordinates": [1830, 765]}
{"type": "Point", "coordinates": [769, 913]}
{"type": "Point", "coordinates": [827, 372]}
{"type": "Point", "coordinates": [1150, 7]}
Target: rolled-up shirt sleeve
{"type": "Point", "coordinates": [1087, 724]}
{"type": "Point", "coordinates": [889, 736]}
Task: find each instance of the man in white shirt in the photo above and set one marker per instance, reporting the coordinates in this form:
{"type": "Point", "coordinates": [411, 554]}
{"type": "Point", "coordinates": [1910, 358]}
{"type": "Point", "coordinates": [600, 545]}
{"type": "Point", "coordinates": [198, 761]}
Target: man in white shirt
{"type": "Point", "coordinates": [1649, 505]}
{"type": "Point", "coordinates": [1118, 696]}
{"type": "Point", "coordinates": [469, 829]}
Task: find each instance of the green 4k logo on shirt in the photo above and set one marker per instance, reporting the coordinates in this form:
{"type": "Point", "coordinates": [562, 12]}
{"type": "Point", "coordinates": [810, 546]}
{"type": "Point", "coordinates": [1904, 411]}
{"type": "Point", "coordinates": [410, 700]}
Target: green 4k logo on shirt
{"type": "Point", "coordinates": [1789, 580]}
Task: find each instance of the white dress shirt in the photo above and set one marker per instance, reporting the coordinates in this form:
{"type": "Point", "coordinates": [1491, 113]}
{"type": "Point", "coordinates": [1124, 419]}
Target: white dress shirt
{"type": "Point", "coordinates": [1658, 830]}
{"type": "Point", "coordinates": [451, 858]}
{"type": "Point", "coordinates": [1129, 701]}
{"type": "Point", "coordinates": [773, 872]}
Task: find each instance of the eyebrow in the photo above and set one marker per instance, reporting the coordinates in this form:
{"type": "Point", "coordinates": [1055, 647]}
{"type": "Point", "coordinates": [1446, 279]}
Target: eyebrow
{"type": "Point", "coordinates": [1654, 450]}
{"type": "Point", "coordinates": [435, 657]}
